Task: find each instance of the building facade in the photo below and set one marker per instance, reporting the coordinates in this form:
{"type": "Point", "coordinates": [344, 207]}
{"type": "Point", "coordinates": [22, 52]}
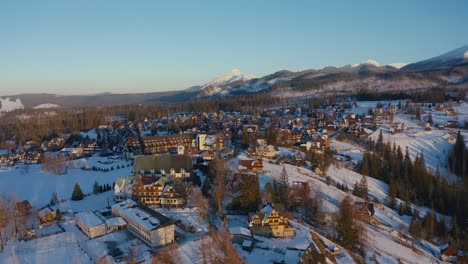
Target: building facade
{"type": "Point", "coordinates": [90, 224]}
{"type": "Point", "coordinates": [156, 191]}
{"type": "Point", "coordinates": [268, 222]}
{"type": "Point", "coordinates": [152, 228]}
{"type": "Point", "coordinates": [157, 144]}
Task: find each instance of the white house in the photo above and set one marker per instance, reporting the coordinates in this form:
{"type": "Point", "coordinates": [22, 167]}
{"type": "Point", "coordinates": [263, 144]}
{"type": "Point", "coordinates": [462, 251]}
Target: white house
{"type": "Point", "coordinates": [200, 142]}
{"type": "Point", "coordinates": [90, 224]}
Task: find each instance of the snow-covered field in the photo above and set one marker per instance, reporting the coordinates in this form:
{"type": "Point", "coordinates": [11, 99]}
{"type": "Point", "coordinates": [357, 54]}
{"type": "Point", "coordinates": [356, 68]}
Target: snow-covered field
{"type": "Point", "coordinates": [354, 152]}
{"type": "Point", "coordinates": [435, 145]}
{"type": "Point", "coordinates": [60, 248]}
{"type": "Point", "coordinates": [388, 247]}
{"type": "Point", "coordinates": [37, 186]}
{"type": "Point", "coordinates": [377, 188]}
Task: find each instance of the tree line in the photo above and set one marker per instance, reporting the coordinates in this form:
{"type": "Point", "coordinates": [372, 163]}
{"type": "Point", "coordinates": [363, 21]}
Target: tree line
{"type": "Point", "coordinates": [411, 181]}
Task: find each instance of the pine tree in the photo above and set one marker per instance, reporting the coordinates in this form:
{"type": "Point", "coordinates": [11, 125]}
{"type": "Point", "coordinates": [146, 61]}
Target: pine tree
{"type": "Point", "coordinates": [441, 228]}
{"type": "Point", "coordinates": [96, 187]}
{"type": "Point", "coordinates": [54, 199]}
{"type": "Point", "coordinates": [348, 230]}
{"type": "Point", "coordinates": [364, 188]}
{"type": "Point", "coordinates": [458, 158]}
{"type": "Point", "coordinates": [392, 194]}
{"type": "Point", "coordinates": [356, 190]}
{"type": "Point", "coordinates": [428, 224]}
{"type": "Point", "coordinates": [249, 194]}
{"type": "Point", "coordinates": [361, 189]}
{"type": "Point", "coordinates": [379, 143]}
{"type": "Point", "coordinates": [364, 166]}
{"type": "Point", "coordinates": [206, 186]}
{"type": "Point", "coordinates": [400, 209]}
{"type": "Point", "coordinates": [415, 228]}
{"type": "Point", "coordinates": [77, 193]}
{"type": "Point", "coordinates": [429, 119]}
{"type": "Point", "coordinates": [282, 190]}
{"type": "Point", "coordinates": [418, 114]}
{"type": "Point", "coordinates": [245, 139]}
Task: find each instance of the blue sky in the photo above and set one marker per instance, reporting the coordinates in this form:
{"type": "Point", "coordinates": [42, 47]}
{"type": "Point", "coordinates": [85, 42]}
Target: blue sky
{"type": "Point", "coordinates": [88, 46]}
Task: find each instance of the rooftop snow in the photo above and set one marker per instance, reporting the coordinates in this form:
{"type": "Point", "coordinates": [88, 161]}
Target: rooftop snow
{"type": "Point", "coordinates": [116, 221]}
{"type": "Point", "coordinates": [138, 214]}
{"type": "Point", "coordinates": [89, 219]}
{"type": "Point", "coordinates": [237, 230]}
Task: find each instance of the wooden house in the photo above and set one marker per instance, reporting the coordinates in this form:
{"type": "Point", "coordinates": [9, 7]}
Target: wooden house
{"type": "Point", "coordinates": [47, 214]}
{"type": "Point", "coordinates": [255, 165]}
{"type": "Point", "coordinates": [156, 191]}
{"type": "Point", "coordinates": [268, 222]}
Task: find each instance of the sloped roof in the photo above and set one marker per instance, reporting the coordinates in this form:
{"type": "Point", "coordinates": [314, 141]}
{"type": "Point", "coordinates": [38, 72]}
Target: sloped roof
{"type": "Point", "coordinates": [264, 213]}
{"type": "Point", "coordinates": [238, 230]}
{"type": "Point", "coordinates": [249, 163]}
{"type": "Point", "coordinates": [163, 162]}
{"type": "Point", "coordinates": [45, 211]}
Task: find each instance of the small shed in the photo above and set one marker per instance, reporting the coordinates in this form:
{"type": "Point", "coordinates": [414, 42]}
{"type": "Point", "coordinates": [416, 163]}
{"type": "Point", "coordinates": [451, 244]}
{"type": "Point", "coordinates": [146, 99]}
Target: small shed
{"type": "Point", "coordinates": [46, 214]}
{"type": "Point", "coordinates": [247, 245]}
{"type": "Point", "coordinates": [240, 234]}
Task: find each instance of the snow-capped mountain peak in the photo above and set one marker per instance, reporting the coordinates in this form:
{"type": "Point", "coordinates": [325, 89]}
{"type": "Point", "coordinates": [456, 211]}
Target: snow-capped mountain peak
{"type": "Point", "coordinates": [367, 62]}
{"type": "Point", "coordinates": [446, 60]}
{"type": "Point", "coordinates": [232, 76]}
{"type": "Point", "coordinates": [398, 65]}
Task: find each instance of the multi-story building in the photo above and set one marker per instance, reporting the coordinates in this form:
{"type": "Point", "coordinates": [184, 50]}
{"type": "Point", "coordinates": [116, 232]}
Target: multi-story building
{"type": "Point", "coordinates": [157, 144]}
{"type": "Point", "coordinates": [268, 222]}
{"type": "Point", "coordinates": [177, 165]}
{"type": "Point", "coordinates": [156, 191]}
{"type": "Point", "coordinates": [151, 227]}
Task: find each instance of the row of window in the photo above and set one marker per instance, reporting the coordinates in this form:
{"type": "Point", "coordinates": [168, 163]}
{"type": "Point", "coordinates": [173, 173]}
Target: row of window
{"type": "Point", "coordinates": [170, 201]}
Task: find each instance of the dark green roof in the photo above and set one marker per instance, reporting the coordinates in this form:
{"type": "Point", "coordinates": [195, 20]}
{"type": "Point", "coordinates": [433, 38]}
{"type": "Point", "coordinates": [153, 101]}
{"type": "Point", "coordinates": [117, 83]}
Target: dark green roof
{"type": "Point", "coordinates": [163, 162]}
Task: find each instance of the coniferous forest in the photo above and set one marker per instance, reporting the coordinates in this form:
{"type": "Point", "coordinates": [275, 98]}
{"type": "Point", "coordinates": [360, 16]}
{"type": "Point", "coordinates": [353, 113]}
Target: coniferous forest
{"type": "Point", "coordinates": [412, 182]}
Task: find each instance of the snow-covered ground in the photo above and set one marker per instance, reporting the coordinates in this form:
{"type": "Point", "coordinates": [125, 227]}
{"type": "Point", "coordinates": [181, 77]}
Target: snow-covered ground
{"type": "Point", "coordinates": [37, 186]}
{"type": "Point", "coordinates": [383, 241]}
{"type": "Point", "coordinates": [362, 107]}
{"type": "Point", "coordinates": [47, 105]}
{"type": "Point", "coordinates": [7, 105]}
{"type": "Point", "coordinates": [60, 248]}
{"type": "Point", "coordinates": [92, 134]}
{"type": "Point", "coordinates": [354, 152]}
{"type": "Point", "coordinates": [388, 247]}
{"type": "Point", "coordinates": [435, 145]}
{"type": "Point", "coordinates": [188, 216]}
{"type": "Point", "coordinates": [376, 188]}
{"type": "Point", "coordinates": [268, 250]}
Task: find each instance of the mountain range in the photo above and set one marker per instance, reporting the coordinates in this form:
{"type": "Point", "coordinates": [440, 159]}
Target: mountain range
{"type": "Point", "coordinates": [447, 70]}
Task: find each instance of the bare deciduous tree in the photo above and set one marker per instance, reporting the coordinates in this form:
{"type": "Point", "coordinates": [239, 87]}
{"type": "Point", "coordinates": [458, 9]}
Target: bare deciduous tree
{"type": "Point", "coordinates": [54, 163]}
{"type": "Point", "coordinates": [199, 201]}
